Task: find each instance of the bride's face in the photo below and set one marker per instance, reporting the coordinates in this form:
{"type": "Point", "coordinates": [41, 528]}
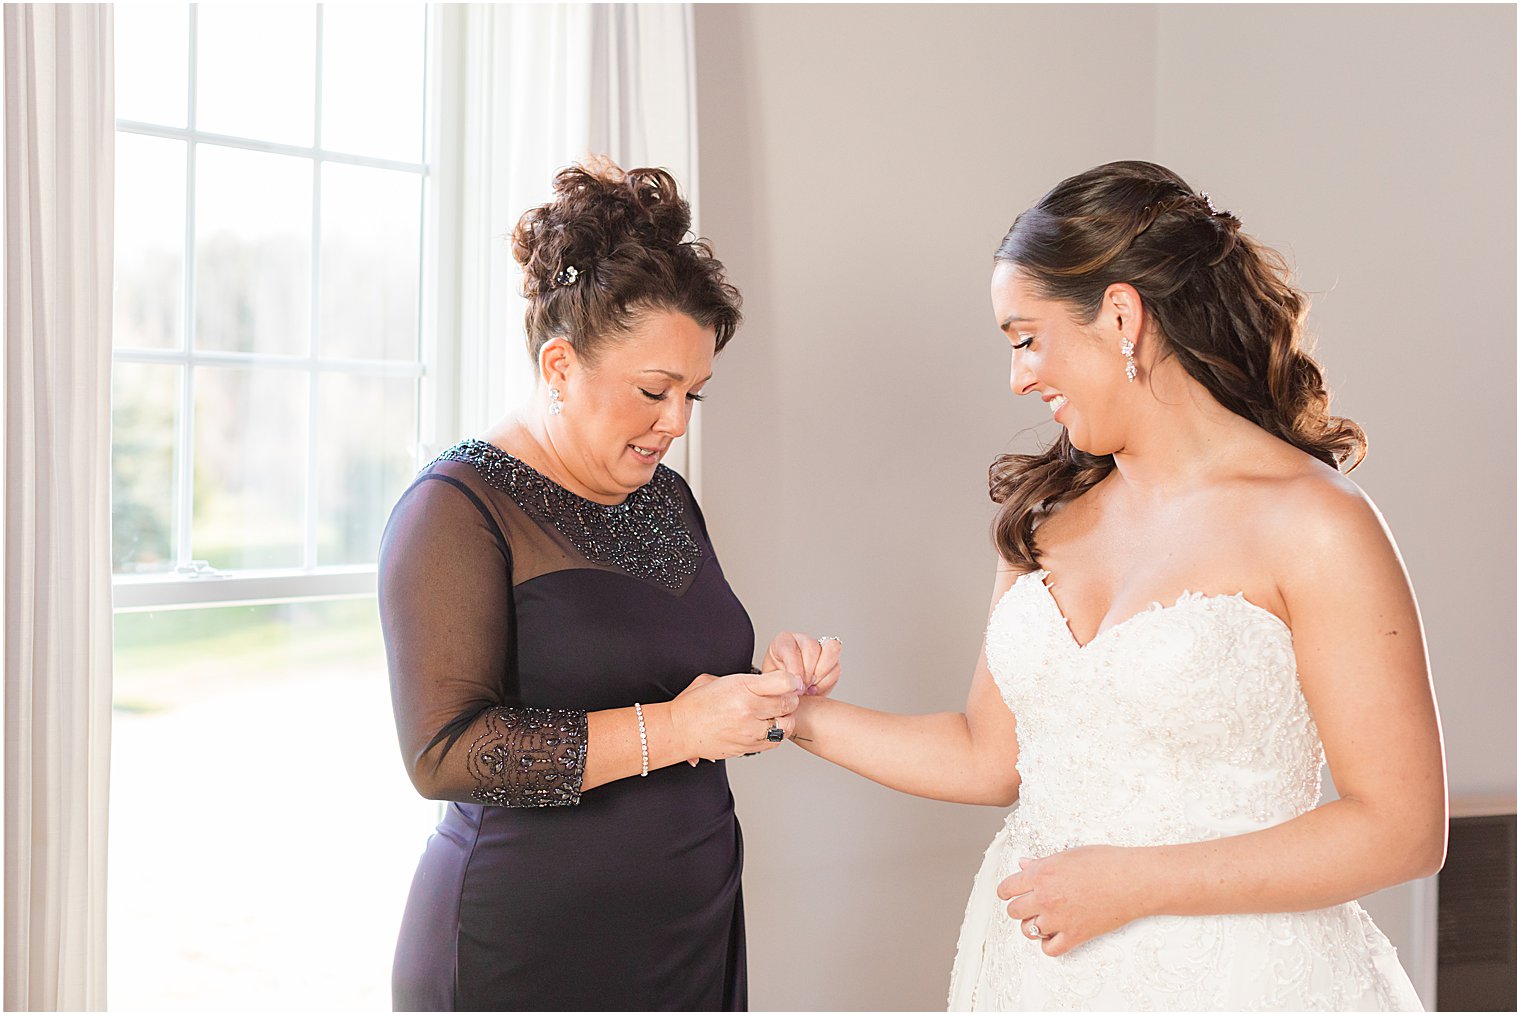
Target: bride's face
{"type": "Point", "coordinates": [1074, 368]}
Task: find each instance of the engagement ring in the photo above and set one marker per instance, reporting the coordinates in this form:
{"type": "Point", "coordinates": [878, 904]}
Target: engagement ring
{"type": "Point", "coordinates": [1033, 931]}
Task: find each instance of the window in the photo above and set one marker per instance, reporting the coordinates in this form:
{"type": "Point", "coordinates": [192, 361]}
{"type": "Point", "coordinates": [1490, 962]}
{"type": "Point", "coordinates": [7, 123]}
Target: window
{"type": "Point", "coordinates": [268, 362]}
{"type": "Point", "coordinates": [271, 368]}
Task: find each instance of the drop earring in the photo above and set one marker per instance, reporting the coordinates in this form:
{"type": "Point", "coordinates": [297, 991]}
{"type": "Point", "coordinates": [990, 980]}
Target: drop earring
{"type": "Point", "coordinates": [554, 405]}
{"type": "Point", "coordinates": [1127, 350]}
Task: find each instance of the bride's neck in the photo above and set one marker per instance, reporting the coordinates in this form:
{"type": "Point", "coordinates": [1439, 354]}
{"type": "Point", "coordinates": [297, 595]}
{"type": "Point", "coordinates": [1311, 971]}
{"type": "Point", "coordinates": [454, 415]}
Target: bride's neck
{"type": "Point", "coordinates": [1180, 440]}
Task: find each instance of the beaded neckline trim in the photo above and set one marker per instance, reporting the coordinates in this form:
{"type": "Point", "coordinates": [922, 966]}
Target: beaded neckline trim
{"type": "Point", "coordinates": [645, 535]}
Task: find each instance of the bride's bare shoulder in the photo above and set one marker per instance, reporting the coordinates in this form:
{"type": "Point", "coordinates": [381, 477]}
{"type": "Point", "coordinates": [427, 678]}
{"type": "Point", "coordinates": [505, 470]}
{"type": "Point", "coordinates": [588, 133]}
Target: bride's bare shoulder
{"type": "Point", "coordinates": [1317, 514]}
{"type": "Point", "coordinates": [1309, 492]}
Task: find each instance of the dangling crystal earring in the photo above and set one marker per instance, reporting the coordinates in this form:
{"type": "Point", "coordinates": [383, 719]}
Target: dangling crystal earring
{"type": "Point", "coordinates": [555, 407]}
{"type": "Point", "coordinates": [1127, 350]}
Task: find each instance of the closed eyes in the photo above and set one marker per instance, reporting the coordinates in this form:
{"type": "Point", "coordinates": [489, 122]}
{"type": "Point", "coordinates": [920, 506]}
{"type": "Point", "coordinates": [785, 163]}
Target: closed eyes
{"type": "Point", "coordinates": [659, 396]}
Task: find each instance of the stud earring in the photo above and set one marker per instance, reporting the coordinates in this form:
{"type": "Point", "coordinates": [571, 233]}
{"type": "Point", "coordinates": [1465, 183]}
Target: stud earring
{"type": "Point", "coordinates": [554, 405]}
{"type": "Point", "coordinates": [1127, 350]}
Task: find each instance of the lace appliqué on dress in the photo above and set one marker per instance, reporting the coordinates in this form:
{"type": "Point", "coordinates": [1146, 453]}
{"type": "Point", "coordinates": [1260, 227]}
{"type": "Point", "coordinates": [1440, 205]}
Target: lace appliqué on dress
{"type": "Point", "coordinates": [529, 757]}
{"type": "Point", "coordinates": [645, 535]}
{"type": "Point", "coordinates": [1180, 724]}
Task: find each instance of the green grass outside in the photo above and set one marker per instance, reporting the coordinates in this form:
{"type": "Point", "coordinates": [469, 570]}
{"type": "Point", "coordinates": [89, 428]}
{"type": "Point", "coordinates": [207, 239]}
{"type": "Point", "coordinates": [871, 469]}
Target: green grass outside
{"type": "Point", "coordinates": [169, 658]}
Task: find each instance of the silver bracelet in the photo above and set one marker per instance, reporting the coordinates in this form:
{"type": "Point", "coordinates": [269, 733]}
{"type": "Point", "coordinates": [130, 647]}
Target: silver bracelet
{"type": "Point", "coordinates": [638, 710]}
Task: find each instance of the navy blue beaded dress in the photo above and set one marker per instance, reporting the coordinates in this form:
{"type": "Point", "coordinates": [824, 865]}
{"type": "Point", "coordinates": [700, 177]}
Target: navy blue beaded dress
{"type": "Point", "coordinates": [511, 608]}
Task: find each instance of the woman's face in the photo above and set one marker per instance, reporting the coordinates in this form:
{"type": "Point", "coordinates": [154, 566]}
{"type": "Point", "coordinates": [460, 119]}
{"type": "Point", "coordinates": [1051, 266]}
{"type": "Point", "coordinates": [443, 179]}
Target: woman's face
{"type": "Point", "coordinates": [620, 413]}
{"type": "Point", "coordinates": [1076, 370]}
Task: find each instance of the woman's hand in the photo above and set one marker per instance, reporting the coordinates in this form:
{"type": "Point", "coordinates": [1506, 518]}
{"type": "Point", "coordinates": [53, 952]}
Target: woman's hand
{"type": "Point", "coordinates": [1076, 895]}
{"type": "Point", "coordinates": [816, 660]}
{"type": "Point", "coordinates": [724, 717]}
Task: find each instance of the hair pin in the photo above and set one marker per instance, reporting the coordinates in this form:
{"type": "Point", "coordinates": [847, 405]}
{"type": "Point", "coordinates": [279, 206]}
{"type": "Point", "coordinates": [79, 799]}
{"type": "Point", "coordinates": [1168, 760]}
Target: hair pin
{"type": "Point", "coordinates": [1209, 202]}
{"type": "Point", "coordinates": [566, 277]}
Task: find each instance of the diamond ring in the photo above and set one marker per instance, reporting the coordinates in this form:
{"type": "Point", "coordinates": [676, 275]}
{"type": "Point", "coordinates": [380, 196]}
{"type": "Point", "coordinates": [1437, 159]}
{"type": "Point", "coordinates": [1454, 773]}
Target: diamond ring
{"type": "Point", "coordinates": [1034, 931]}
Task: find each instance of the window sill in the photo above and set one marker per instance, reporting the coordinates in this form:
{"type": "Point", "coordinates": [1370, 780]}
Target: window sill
{"type": "Point", "coordinates": [134, 593]}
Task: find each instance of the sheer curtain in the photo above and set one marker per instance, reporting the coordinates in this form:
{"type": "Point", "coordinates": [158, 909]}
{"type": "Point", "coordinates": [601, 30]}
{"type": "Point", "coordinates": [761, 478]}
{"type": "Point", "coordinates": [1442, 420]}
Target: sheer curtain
{"type": "Point", "coordinates": [541, 86]}
{"type": "Point", "coordinates": [59, 151]}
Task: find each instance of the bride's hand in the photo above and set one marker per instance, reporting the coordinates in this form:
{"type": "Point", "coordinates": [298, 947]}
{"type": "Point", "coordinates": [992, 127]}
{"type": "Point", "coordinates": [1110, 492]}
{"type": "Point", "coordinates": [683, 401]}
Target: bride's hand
{"type": "Point", "coordinates": [1074, 896]}
{"type": "Point", "coordinates": [815, 659]}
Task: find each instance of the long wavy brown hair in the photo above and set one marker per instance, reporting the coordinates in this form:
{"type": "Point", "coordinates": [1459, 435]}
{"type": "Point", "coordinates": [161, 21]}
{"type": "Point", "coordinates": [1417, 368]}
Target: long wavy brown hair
{"type": "Point", "coordinates": [1219, 302]}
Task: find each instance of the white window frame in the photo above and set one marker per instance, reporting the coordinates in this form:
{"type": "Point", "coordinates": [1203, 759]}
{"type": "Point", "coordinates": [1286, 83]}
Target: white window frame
{"type": "Point", "coordinates": [193, 583]}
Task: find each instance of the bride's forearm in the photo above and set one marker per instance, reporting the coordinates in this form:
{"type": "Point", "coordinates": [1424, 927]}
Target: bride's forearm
{"type": "Point", "coordinates": [931, 756]}
{"type": "Point", "coordinates": [1339, 851]}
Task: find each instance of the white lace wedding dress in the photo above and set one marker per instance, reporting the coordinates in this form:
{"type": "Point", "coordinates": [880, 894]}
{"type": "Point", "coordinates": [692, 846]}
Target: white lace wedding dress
{"type": "Point", "coordinates": [1183, 723]}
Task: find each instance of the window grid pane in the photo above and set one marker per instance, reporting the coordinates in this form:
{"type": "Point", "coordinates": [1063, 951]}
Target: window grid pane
{"type": "Point", "coordinates": [253, 254]}
{"type": "Point", "coordinates": [250, 449]}
{"type": "Point", "coordinates": [152, 56]}
{"type": "Point", "coordinates": [289, 257]}
{"type": "Point", "coordinates": [370, 107]}
{"type": "Point", "coordinates": [144, 407]}
{"type": "Point", "coordinates": [149, 259]}
{"type": "Point", "coordinates": [257, 71]}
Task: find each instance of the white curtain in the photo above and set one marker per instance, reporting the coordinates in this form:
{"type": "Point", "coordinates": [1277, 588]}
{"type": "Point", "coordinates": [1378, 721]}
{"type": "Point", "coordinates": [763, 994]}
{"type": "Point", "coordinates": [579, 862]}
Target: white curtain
{"type": "Point", "coordinates": [59, 158]}
{"type": "Point", "coordinates": [542, 86]}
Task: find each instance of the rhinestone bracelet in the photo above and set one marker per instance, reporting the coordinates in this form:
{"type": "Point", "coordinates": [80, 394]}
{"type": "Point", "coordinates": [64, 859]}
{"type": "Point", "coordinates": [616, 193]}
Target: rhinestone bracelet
{"type": "Point", "coordinates": [643, 738]}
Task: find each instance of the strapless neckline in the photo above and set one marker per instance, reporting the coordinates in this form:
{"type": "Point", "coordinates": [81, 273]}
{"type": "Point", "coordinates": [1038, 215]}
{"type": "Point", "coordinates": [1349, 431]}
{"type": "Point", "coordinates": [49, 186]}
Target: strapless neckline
{"type": "Point", "coordinates": [1182, 723]}
{"type": "Point", "coordinates": [1184, 600]}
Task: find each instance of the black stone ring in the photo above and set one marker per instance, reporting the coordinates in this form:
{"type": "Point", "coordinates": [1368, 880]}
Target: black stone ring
{"type": "Point", "coordinates": [775, 734]}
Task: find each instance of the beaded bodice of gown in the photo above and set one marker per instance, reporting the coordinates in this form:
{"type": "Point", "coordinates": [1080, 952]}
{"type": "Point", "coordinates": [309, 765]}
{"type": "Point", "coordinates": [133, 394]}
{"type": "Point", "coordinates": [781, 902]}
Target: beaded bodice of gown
{"type": "Point", "coordinates": [645, 535]}
{"type": "Point", "coordinates": [1182, 723]}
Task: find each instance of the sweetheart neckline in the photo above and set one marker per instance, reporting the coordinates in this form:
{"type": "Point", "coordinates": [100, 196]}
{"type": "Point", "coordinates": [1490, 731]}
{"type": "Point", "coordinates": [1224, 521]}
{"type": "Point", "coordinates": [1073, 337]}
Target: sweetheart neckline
{"type": "Point", "coordinates": [1156, 606]}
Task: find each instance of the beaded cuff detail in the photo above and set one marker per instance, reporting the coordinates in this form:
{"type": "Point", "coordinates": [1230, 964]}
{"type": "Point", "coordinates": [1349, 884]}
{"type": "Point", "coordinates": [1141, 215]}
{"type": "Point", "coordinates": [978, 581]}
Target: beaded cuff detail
{"type": "Point", "coordinates": [529, 757]}
{"type": "Point", "coordinates": [644, 536]}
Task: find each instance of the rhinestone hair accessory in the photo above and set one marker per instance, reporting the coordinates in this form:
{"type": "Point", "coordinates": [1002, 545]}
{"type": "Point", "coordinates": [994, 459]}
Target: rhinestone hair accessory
{"type": "Point", "coordinates": [566, 277]}
{"type": "Point", "coordinates": [1203, 195]}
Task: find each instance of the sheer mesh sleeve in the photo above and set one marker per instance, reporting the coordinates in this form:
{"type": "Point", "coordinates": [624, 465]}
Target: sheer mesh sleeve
{"type": "Point", "coordinates": [446, 610]}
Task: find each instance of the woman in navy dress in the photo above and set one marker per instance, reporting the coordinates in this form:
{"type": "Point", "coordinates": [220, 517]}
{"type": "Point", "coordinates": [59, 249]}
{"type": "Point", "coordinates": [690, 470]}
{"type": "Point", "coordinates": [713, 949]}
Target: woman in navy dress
{"type": "Point", "coordinates": [554, 617]}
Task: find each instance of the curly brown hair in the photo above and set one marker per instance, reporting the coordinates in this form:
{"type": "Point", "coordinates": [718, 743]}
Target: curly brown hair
{"type": "Point", "coordinates": [1221, 303]}
{"type": "Point", "coordinates": [625, 234]}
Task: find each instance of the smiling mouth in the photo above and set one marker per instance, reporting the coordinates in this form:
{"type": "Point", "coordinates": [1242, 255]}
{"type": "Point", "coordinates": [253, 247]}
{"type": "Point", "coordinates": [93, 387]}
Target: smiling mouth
{"type": "Point", "coordinates": [1056, 403]}
{"type": "Point", "coordinates": [645, 452]}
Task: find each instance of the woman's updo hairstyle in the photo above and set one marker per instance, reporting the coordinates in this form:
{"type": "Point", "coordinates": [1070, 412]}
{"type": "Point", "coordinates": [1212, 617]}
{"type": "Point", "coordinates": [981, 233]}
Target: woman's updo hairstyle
{"type": "Point", "coordinates": [1217, 300]}
{"type": "Point", "coordinates": [609, 247]}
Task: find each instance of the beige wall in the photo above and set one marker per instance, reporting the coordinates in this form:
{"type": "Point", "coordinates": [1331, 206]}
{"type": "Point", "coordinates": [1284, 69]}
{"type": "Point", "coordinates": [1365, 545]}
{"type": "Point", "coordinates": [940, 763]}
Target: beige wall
{"type": "Point", "coordinates": [859, 165]}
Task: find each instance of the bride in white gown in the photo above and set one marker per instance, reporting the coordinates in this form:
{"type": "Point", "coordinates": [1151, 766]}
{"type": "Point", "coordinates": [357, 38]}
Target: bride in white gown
{"type": "Point", "coordinates": [1193, 610]}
